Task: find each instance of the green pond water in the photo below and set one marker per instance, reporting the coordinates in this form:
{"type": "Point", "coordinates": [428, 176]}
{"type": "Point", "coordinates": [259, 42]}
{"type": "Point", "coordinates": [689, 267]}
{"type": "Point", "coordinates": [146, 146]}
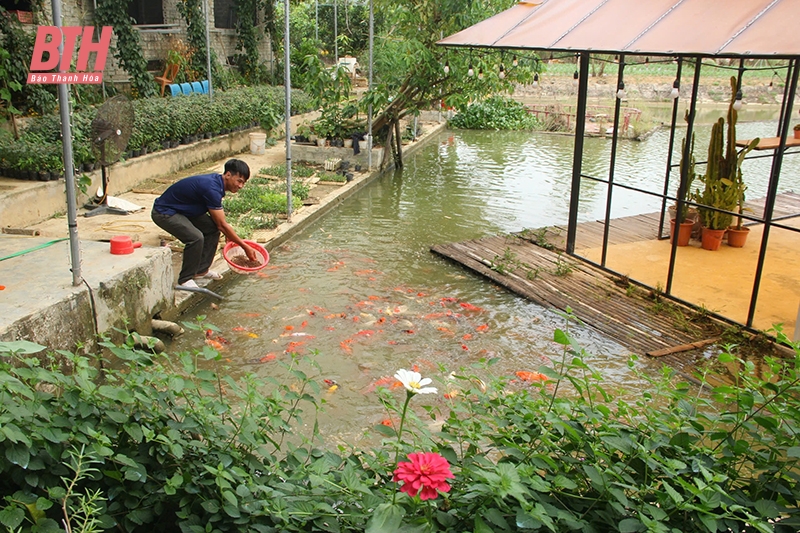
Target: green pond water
{"type": "Point", "coordinates": [360, 291]}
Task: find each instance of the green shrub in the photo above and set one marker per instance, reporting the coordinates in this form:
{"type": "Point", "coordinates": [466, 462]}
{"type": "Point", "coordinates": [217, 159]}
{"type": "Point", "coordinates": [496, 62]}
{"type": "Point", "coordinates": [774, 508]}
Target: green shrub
{"type": "Point", "coordinates": [495, 113]}
{"type": "Point", "coordinates": [178, 444]}
{"type": "Point", "coordinates": [298, 170]}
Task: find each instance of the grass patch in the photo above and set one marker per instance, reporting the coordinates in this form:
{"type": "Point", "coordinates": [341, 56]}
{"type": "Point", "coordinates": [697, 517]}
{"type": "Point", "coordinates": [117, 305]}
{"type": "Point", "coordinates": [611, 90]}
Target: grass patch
{"type": "Point", "coordinates": [298, 170]}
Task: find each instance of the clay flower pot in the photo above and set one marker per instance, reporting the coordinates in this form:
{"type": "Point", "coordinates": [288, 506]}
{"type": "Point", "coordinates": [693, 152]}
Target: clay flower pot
{"type": "Point", "coordinates": [712, 238]}
{"type": "Point", "coordinates": [737, 237]}
{"type": "Point", "coordinates": [684, 232]}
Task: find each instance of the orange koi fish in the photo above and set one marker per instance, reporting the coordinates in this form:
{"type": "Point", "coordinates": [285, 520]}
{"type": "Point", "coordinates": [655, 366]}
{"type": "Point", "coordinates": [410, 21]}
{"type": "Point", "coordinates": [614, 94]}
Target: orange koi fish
{"type": "Point", "coordinates": [524, 375]}
{"type": "Point", "coordinates": [470, 307]}
{"type": "Point", "coordinates": [465, 347]}
{"type": "Point", "coordinates": [382, 382]}
{"type": "Point", "coordinates": [288, 328]}
{"type": "Point", "coordinates": [345, 345]}
{"type": "Point", "coordinates": [374, 297]}
{"type": "Point", "coordinates": [448, 299]}
{"type": "Point", "coordinates": [447, 331]}
{"type": "Point", "coordinates": [304, 324]}
{"type": "Point", "coordinates": [482, 328]}
{"type": "Point", "coordinates": [364, 304]}
{"type": "Point", "coordinates": [250, 315]}
{"type": "Point", "coordinates": [467, 336]}
{"type": "Point", "coordinates": [366, 333]}
{"type": "Point", "coordinates": [240, 328]}
{"type": "Point", "coordinates": [294, 346]}
{"type": "Point", "coordinates": [269, 357]}
{"type": "Point", "coordinates": [215, 344]}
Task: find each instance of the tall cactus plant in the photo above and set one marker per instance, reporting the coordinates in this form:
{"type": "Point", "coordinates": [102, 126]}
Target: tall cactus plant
{"type": "Point", "coordinates": [723, 187]}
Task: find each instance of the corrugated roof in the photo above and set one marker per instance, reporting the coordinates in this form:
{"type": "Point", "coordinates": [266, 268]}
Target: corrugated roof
{"type": "Point", "coordinates": [752, 28]}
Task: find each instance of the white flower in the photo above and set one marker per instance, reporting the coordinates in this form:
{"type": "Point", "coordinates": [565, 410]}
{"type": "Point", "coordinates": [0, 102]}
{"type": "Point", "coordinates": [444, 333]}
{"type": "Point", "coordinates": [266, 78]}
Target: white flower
{"type": "Point", "coordinates": [414, 383]}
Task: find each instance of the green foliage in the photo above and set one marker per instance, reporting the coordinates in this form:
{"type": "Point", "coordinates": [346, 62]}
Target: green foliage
{"type": "Point", "coordinates": [16, 50]}
{"type": "Point", "coordinates": [156, 120]}
{"type": "Point", "coordinates": [332, 176]}
{"type": "Point", "coordinates": [247, 39]}
{"type": "Point", "coordinates": [179, 444]}
{"type": "Point", "coordinates": [495, 113]}
{"type": "Point", "coordinates": [128, 48]}
{"type": "Point", "coordinates": [192, 12]}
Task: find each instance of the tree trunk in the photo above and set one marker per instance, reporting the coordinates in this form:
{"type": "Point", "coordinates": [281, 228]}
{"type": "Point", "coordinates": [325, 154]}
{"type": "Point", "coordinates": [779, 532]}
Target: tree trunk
{"type": "Point", "coordinates": [387, 148]}
{"type": "Point", "coordinates": [398, 155]}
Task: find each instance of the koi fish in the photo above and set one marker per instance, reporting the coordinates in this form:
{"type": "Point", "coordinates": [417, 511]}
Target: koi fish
{"type": "Point", "coordinates": [262, 274]}
{"type": "Point", "coordinates": [366, 333]}
{"type": "Point", "coordinates": [387, 422]}
{"type": "Point", "coordinates": [447, 331]}
{"type": "Point", "coordinates": [250, 315]}
{"type": "Point", "coordinates": [336, 315]}
{"type": "Point", "coordinates": [365, 272]}
{"type": "Point", "coordinates": [470, 307]}
{"type": "Point", "coordinates": [345, 345]}
{"type": "Point", "coordinates": [374, 297]}
{"type": "Point", "coordinates": [304, 324]}
{"type": "Point", "coordinates": [381, 382]}
{"type": "Point", "coordinates": [524, 375]}
{"type": "Point", "coordinates": [293, 346]}
{"type": "Point", "coordinates": [331, 384]}
{"type": "Point", "coordinates": [288, 328]}
{"type": "Point", "coordinates": [330, 328]}
{"type": "Point", "coordinates": [240, 328]}
{"type": "Point", "coordinates": [252, 335]}
{"type": "Point", "coordinates": [409, 331]}
{"type": "Point", "coordinates": [465, 347]}
{"type": "Point", "coordinates": [269, 357]}
{"type": "Point", "coordinates": [299, 334]}
{"type": "Point", "coordinates": [215, 344]}
{"type": "Point", "coordinates": [448, 299]}
{"type": "Point", "coordinates": [467, 336]}
{"type": "Point", "coordinates": [364, 304]}
{"type": "Point", "coordinates": [421, 295]}
{"type": "Point", "coordinates": [482, 328]}
{"type": "Point", "coordinates": [381, 320]}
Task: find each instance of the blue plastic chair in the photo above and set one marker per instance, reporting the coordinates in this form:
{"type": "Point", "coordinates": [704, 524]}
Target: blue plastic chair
{"type": "Point", "coordinates": [196, 87]}
{"type": "Point", "coordinates": [186, 88]}
{"type": "Point", "coordinates": [175, 89]}
{"type": "Point", "coordinates": [205, 86]}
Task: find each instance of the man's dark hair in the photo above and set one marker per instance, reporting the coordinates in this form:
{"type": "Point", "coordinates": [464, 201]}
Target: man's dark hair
{"type": "Point", "coordinates": [237, 166]}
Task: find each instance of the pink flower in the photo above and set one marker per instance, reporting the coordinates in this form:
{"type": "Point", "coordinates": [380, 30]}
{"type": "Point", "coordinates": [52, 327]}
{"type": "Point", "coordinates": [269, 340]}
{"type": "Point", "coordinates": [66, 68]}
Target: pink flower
{"type": "Point", "coordinates": [425, 474]}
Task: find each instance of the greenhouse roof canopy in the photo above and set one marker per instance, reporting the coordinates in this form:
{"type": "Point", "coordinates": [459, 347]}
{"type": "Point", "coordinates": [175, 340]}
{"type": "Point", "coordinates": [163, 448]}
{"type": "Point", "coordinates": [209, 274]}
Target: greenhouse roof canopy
{"type": "Point", "coordinates": [733, 28]}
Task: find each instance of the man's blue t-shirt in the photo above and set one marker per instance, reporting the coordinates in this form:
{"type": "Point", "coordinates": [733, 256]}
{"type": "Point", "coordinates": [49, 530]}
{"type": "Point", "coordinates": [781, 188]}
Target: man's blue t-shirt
{"type": "Point", "coordinates": [192, 196]}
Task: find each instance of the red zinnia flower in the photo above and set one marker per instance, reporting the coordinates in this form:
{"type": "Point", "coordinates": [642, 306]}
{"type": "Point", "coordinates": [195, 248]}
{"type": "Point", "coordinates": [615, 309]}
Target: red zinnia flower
{"type": "Point", "coordinates": [425, 474]}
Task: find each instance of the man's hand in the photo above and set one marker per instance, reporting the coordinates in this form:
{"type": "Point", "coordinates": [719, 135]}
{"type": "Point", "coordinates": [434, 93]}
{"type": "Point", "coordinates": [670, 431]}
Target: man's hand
{"type": "Point", "coordinates": [252, 255]}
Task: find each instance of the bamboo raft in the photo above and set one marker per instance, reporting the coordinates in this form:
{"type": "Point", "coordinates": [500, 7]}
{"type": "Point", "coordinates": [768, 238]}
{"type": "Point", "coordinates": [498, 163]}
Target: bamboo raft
{"type": "Point", "coordinates": [632, 316]}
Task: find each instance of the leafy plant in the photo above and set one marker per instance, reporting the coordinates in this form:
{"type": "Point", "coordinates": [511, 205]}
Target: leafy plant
{"type": "Point", "coordinates": [181, 444]}
{"type": "Point", "coordinates": [495, 113]}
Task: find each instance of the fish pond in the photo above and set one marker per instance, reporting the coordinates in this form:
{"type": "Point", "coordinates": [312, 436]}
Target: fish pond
{"type": "Point", "coordinates": [360, 292]}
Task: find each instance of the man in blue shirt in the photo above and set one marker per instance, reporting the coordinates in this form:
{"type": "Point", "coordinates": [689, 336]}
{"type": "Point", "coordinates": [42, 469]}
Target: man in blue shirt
{"type": "Point", "coordinates": [191, 210]}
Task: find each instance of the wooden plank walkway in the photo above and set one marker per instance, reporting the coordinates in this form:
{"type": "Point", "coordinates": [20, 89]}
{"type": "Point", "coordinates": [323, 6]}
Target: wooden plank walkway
{"type": "Point", "coordinates": [645, 227]}
{"type": "Point", "coordinates": [631, 316]}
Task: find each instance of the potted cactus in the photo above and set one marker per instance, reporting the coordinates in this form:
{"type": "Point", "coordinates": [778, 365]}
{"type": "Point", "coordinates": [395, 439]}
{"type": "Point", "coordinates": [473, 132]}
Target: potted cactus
{"type": "Point", "coordinates": [723, 187]}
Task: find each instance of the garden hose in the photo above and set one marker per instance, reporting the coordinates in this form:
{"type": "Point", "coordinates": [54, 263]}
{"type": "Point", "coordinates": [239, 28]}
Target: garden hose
{"type": "Point", "coordinates": [23, 252]}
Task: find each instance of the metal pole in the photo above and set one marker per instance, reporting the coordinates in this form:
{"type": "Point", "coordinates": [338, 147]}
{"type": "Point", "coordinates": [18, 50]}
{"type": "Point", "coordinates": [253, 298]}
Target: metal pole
{"type": "Point", "coordinates": [369, 88]}
{"type": "Point", "coordinates": [577, 155]}
{"type": "Point", "coordinates": [287, 83]}
{"type": "Point", "coordinates": [774, 178]}
{"type": "Point", "coordinates": [671, 147]}
{"type": "Point", "coordinates": [336, 31]}
{"type": "Point", "coordinates": [69, 169]}
{"type": "Point", "coordinates": [684, 173]}
{"type": "Point", "coordinates": [612, 163]}
{"type": "Point", "coordinates": [208, 54]}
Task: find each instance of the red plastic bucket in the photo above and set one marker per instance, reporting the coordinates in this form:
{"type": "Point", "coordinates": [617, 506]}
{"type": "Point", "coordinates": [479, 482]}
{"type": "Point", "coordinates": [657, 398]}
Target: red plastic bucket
{"type": "Point", "coordinates": [122, 244]}
{"type": "Point", "coordinates": [233, 253]}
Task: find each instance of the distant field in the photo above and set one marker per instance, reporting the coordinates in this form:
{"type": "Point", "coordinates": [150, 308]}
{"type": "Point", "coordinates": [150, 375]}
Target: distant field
{"type": "Point", "coordinates": [764, 70]}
